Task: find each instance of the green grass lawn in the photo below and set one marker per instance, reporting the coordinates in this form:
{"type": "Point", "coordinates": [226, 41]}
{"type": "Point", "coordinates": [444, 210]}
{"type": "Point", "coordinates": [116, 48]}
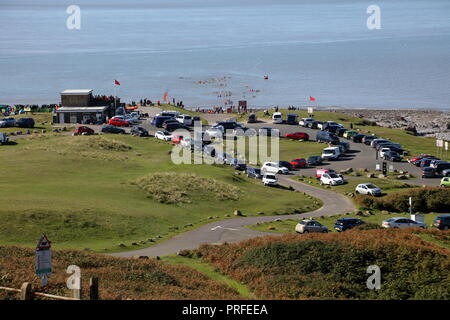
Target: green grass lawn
{"type": "Point", "coordinates": [208, 270]}
{"type": "Point", "coordinates": [416, 145]}
{"type": "Point", "coordinates": [79, 191]}
{"type": "Point", "coordinates": [288, 226]}
{"type": "Point", "coordinates": [387, 185]}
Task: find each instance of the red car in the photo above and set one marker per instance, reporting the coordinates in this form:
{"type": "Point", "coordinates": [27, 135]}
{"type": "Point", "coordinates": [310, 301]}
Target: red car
{"type": "Point", "coordinates": [298, 163]}
{"type": "Point", "coordinates": [419, 157]}
{"type": "Point", "coordinates": [177, 138]}
{"type": "Point", "coordinates": [297, 136]}
{"type": "Point", "coordinates": [320, 172]}
{"type": "Point", "coordinates": [83, 130]}
{"type": "Point", "coordinates": [118, 122]}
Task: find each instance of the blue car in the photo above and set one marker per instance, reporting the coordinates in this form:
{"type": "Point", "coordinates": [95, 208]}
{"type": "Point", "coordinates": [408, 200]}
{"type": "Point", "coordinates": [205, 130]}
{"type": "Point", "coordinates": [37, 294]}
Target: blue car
{"type": "Point", "coordinates": [254, 173]}
{"type": "Point", "coordinates": [343, 224]}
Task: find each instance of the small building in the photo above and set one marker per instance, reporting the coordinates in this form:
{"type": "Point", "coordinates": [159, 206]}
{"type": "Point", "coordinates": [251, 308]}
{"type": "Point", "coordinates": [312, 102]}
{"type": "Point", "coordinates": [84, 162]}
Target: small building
{"type": "Point", "coordinates": [80, 106]}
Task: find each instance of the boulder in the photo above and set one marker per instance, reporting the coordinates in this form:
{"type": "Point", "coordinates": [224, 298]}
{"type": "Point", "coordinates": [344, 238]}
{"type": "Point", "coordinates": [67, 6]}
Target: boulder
{"type": "Point", "coordinates": [402, 177]}
{"type": "Point", "coordinates": [237, 213]}
{"type": "Point", "coordinates": [371, 175]}
{"type": "Point", "coordinates": [122, 245]}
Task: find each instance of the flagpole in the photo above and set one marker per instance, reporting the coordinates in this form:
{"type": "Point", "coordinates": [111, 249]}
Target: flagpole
{"type": "Point", "coordinates": [115, 95]}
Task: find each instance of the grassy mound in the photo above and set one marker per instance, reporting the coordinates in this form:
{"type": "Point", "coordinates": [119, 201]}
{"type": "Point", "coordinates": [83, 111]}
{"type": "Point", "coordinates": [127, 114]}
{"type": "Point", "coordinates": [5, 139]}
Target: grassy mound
{"type": "Point", "coordinates": [172, 187]}
{"type": "Point", "coordinates": [99, 143]}
{"type": "Point", "coordinates": [119, 278]}
{"type": "Point", "coordinates": [333, 266]}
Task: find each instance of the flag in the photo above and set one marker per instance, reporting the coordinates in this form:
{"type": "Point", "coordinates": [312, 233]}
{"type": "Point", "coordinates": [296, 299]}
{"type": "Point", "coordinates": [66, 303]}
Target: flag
{"type": "Point", "coordinates": [117, 83]}
{"type": "Point", "coordinates": [312, 98]}
{"type": "Point", "coordinates": [166, 96]}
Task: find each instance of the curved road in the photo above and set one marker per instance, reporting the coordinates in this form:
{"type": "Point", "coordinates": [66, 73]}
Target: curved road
{"type": "Point", "coordinates": [233, 230]}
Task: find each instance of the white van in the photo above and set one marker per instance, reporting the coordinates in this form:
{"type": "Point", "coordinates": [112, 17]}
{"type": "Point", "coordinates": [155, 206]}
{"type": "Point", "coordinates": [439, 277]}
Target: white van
{"type": "Point", "coordinates": [184, 119]}
{"type": "Point", "coordinates": [331, 153]}
{"type": "Point", "coordinates": [277, 117]}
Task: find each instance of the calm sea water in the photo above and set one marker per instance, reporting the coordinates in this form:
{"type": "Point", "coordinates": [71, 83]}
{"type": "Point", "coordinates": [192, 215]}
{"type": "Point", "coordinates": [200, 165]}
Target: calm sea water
{"type": "Point", "coordinates": [321, 48]}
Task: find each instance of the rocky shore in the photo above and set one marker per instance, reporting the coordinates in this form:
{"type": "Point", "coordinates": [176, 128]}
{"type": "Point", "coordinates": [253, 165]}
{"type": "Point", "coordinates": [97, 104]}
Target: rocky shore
{"type": "Point", "coordinates": [424, 122]}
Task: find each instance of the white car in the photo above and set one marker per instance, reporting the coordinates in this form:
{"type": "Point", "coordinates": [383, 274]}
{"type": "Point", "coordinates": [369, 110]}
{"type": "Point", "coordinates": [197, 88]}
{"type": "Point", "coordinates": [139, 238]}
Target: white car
{"type": "Point", "coordinates": [368, 188]}
{"type": "Point", "coordinates": [273, 167]}
{"type": "Point", "coordinates": [215, 132]}
{"type": "Point", "coordinates": [163, 135]}
{"type": "Point", "coordinates": [399, 222]}
{"type": "Point", "coordinates": [331, 153]}
{"type": "Point", "coordinates": [270, 180]}
{"type": "Point", "coordinates": [331, 179]}
{"type": "Point", "coordinates": [277, 117]}
{"type": "Point", "coordinates": [383, 151]}
{"type": "Point", "coordinates": [329, 123]}
{"type": "Point", "coordinates": [184, 119]}
{"type": "Point", "coordinates": [3, 138]}
{"type": "Point", "coordinates": [187, 142]}
{"type": "Point", "coordinates": [306, 122]}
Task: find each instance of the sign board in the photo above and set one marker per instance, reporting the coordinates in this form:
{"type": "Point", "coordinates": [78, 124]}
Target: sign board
{"type": "Point", "coordinates": [439, 143]}
{"type": "Point", "coordinates": [384, 167]}
{"type": "Point", "coordinates": [378, 167]}
{"type": "Point", "coordinates": [446, 145]}
{"type": "Point", "coordinates": [418, 218]}
{"type": "Point", "coordinates": [43, 257]}
{"type": "Point", "coordinates": [391, 168]}
{"type": "Point", "coordinates": [310, 110]}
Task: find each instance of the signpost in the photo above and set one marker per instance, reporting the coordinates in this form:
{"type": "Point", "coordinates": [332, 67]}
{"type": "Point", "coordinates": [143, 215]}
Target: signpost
{"type": "Point", "coordinates": [384, 168]}
{"type": "Point", "coordinates": [43, 259]}
{"type": "Point", "coordinates": [310, 112]}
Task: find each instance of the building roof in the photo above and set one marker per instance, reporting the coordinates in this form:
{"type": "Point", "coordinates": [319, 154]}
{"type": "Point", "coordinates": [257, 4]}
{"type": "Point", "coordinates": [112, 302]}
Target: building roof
{"type": "Point", "coordinates": [83, 109]}
{"type": "Point", "coordinates": [76, 92]}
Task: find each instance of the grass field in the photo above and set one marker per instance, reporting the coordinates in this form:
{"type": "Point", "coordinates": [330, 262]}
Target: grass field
{"type": "Point", "coordinates": [82, 192]}
{"type": "Point", "coordinates": [416, 145]}
{"type": "Point", "coordinates": [288, 226]}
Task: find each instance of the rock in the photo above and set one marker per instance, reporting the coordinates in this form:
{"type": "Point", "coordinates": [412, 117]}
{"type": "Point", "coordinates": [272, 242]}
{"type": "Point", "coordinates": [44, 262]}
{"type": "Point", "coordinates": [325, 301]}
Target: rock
{"type": "Point", "coordinates": [385, 212]}
{"type": "Point", "coordinates": [143, 257]}
{"type": "Point", "coordinates": [188, 225]}
{"type": "Point", "coordinates": [349, 170]}
{"type": "Point", "coordinates": [371, 175]}
{"type": "Point", "coordinates": [381, 176]}
{"type": "Point", "coordinates": [260, 213]}
{"type": "Point", "coordinates": [210, 217]}
{"type": "Point", "coordinates": [158, 258]}
{"type": "Point", "coordinates": [134, 243]}
{"type": "Point", "coordinates": [18, 133]}
{"type": "Point", "coordinates": [150, 240]}
{"type": "Point", "coordinates": [271, 228]}
{"type": "Point", "coordinates": [43, 131]}
{"type": "Point", "coordinates": [237, 213]}
{"type": "Point", "coordinates": [142, 242]}
{"type": "Point", "coordinates": [359, 213]}
{"type": "Point", "coordinates": [87, 249]}
{"type": "Point", "coordinates": [227, 215]}
{"type": "Point", "coordinates": [28, 132]}
{"type": "Point", "coordinates": [402, 177]}
{"type": "Point", "coordinates": [122, 245]}
{"type": "Point", "coordinates": [362, 170]}
{"type": "Point", "coordinates": [183, 253]}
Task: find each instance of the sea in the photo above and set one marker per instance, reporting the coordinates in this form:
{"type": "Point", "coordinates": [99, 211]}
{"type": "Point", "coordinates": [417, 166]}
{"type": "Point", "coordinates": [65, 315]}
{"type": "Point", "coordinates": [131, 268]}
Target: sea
{"type": "Point", "coordinates": [218, 52]}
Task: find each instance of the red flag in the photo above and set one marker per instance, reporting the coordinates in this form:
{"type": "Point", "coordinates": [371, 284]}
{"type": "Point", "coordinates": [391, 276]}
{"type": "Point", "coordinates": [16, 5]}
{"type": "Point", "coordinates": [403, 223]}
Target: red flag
{"type": "Point", "coordinates": [166, 95]}
{"type": "Point", "coordinates": [312, 98]}
{"type": "Point", "coordinates": [117, 83]}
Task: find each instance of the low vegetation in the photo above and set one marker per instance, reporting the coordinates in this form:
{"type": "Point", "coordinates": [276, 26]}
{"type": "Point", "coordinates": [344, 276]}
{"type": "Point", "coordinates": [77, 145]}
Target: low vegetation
{"type": "Point", "coordinates": [334, 266]}
{"type": "Point", "coordinates": [119, 278]}
{"type": "Point", "coordinates": [430, 199]}
{"type": "Point", "coordinates": [177, 188]}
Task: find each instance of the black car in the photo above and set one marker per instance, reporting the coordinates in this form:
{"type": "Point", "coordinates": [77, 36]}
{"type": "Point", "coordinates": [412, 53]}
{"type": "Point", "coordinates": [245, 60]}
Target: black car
{"type": "Point", "coordinates": [428, 172]}
{"type": "Point", "coordinates": [340, 132]}
{"type": "Point", "coordinates": [441, 167]}
{"type": "Point", "coordinates": [168, 122]}
{"type": "Point", "coordinates": [286, 164]}
{"type": "Point", "coordinates": [315, 123]}
{"type": "Point", "coordinates": [343, 224]}
{"type": "Point", "coordinates": [240, 166]}
{"type": "Point", "coordinates": [254, 173]}
{"type": "Point", "coordinates": [172, 126]}
{"type": "Point", "coordinates": [358, 138]}
{"type": "Point", "coordinates": [442, 222]}
{"type": "Point", "coordinates": [392, 156]}
{"type": "Point", "coordinates": [251, 118]}
{"type": "Point", "coordinates": [368, 139]}
{"type": "Point", "coordinates": [332, 128]}
{"type": "Point", "coordinates": [314, 161]}
{"type": "Point", "coordinates": [25, 123]}
{"type": "Point", "coordinates": [139, 131]}
{"type": "Point", "coordinates": [112, 129]}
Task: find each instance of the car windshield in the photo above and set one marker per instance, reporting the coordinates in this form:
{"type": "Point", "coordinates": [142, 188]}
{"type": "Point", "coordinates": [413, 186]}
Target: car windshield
{"type": "Point", "coordinates": [333, 175]}
{"type": "Point", "coordinates": [258, 171]}
{"type": "Point", "coordinates": [269, 176]}
{"type": "Point", "coordinates": [371, 186]}
{"type": "Point", "coordinates": [328, 151]}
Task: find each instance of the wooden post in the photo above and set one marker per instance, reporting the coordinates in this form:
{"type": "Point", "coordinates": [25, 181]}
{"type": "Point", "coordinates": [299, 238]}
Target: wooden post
{"type": "Point", "coordinates": [93, 288]}
{"type": "Point", "coordinates": [26, 291]}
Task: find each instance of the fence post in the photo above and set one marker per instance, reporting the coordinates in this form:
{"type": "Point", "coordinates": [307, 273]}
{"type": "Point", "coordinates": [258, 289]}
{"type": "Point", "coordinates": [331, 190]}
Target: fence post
{"type": "Point", "coordinates": [26, 291]}
{"type": "Point", "coordinates": [93, 288]}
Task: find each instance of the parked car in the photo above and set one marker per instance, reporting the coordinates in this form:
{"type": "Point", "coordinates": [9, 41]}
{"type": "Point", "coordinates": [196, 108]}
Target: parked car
{"type": "Point", "coordinates": [392, 156]}
{"type": "Point", "coordinates": [382, 151]}
{"type": "Point", "coordinates": [331, 153]}
{"type": "Point", "coordinates": [446, 173]}
{"type": "Point", "coordinates": [3, 138]}
{"type": "Point", "coordinates": [343, 147]}
{"type": "Point", "coordinates": [216, 133]}
{"type": "Point", "coordinates": [314, 161]}
{"type": "Point", "coordinates": [340, 132]}
{"type": "Point", "coordinates": [320, 172]}
{"type": "Point", "coordinates": [240, 166]}
{"type": "Point", "coordinates": [428, 172]}
{"type": "Point", "coordinates": [159, 120]}
{"type": "Point", "coordinates": [343, 224]}
{"type": "Point", "coordinates": [83, 130]}
{"type": "Point", "coordinates": [327, 137]}
{"type": "Point", "coordinates": [273, 167]}
{"type": "Point", "coordinates": [292, 118]}
{"type": "Point", "coordinates": [163, 135]}
{"type": "Point", "coordinates": [297, 136]}
{"type": "Point", "coordinates": [368, 139]}
{"type": "Point", "coordinates": [252, 118]}
{"type": "Point", "coordinates": [7, 122]}
{"type": "Point", "coordinates": [184, 119]}
{"type": "Point", "coordinates": [445, 182]}
{"type": "Point", "coordinates": [306, 122]}
{"type": "Point", "coordinates": [169, 122]}
{"type": "Point", "coordinates": [332, 128]}
{"type": "Point", "coordinates": [172, 126]}
{"type": "Point", "coordinates": [253, 173]}
{"type": "Point", "coordinates": [118, 122]}
{"type": "Point", "coordinates": [139, 131]}
{"type": "Point", "coordinates": [266, 131]}
{"type": "Point", "coordinates": [270, 180]}
{"type": "Point", "coordinates": [374, 142]}
{"type": "Point", "coordinates": [368, 188]}
{"type": "Point", "coordinates": [399, 222]}
{"type": "Point", "coordinates": [224, 158]}
{"type": "Point", "coordinates": [298, 163]}
{"type": "Point", "coordinates": [349, 134]}
{"type": "Point", "coordinates": [420, 157]}
{"type": "Point", "coordinates": [315, 124]}
{"type": "Point", "coordinates": [25, 123]}
{"type": "Point", "coordinates": [306, 226]}
{"type": "Point", "coordinates": [177, 138]}
{"type": "Point", "coordinates": [442, 222]}
{"type": "Point", "coordinates": [112, 129]}
{"type": "Point", "coordinates": [286, 164]}
{"type": "Point", "coordinates": [358, 137]}
{"type": "Point", "coordinates": [277, 117]}
{"type": "Point", "coordinates": [331, 179]}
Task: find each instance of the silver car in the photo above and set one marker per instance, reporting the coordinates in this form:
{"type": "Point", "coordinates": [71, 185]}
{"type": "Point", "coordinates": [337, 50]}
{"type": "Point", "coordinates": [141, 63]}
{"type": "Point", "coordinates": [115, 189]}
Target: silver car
{"type": "Point", "coordinates": [306, 226]}
{"type": "Point", "coordinates": [400, 222]}
{"type": "Point", "coordinates": [7, 122]}
{"type": "Point", "coordinates": [3, 138]}
{"type": "Point", "coordinates": [368, 188]}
